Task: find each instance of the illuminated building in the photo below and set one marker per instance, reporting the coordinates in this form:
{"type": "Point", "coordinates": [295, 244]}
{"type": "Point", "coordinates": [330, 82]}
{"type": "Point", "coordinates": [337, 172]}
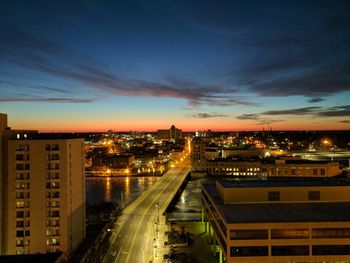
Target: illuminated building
{"type": "Point", "coordinates": [299, 220]}
{"type": "Point", "coordinates": [114, 161]}
{"type": "Point", "coordinates": [42, 192]}
{"type": "Point", "coordinates": [204, 134]}
{"type": "Point", "coordinates": [281, 167]}
{"type": "Point", "coordinates": [172, 134]}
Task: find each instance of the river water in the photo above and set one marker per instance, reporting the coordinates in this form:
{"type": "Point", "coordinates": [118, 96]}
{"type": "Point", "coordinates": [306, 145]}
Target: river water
{"type": "Point", "coordinates": [107, 189]}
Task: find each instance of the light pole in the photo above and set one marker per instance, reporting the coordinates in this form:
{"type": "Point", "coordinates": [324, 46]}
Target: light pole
{"type": "Point", "coordinates": [154, 249]}
{"type": "Point", "coordinates": [157, 205]}
{"type": "Point", "coordinates": [157, 223]}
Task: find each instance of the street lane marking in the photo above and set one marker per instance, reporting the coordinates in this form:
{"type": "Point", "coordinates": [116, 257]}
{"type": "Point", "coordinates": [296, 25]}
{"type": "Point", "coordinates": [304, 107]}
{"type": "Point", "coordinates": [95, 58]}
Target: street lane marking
{"type": "Point", "coordinates": [166, 180]}
{"type": "Point", "coordinates": [118, 254]}
{"type": "Point", "coordinates": [155, 200]}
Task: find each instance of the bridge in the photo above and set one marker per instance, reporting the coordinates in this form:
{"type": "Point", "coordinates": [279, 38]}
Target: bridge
{"type": "Point", "coordinates": [137, 236]}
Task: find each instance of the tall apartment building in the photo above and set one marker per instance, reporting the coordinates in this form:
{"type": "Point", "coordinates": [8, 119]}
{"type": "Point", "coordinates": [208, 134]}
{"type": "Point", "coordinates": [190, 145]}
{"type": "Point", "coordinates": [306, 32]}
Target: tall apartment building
{"type": "Point", "coordinates": [42, 192]}
{"type": "Point", "coordinates": [299, 220]}
{"type": "Point", "coordinates": [282, 167]}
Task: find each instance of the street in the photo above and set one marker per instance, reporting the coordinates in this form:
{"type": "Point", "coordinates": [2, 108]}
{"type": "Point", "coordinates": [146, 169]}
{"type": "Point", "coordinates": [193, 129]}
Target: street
{"type": "Point", "coordinates": [133, 235]}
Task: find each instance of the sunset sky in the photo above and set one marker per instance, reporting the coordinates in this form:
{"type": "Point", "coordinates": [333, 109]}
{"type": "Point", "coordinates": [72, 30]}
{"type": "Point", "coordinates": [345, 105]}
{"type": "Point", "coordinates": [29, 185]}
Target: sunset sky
{"type": "Point", "coordinates": [145, 65]}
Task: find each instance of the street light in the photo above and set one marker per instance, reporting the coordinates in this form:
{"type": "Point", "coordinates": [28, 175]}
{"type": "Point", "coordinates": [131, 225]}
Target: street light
{"type": "Point", "coordinates": [157, 206]}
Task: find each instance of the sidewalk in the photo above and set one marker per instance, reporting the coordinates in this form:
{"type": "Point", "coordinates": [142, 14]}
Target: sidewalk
{"type": "Point", "coordinates": [198, 250]}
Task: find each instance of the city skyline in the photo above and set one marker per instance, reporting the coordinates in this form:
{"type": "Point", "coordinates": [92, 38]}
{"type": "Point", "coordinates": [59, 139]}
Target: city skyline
{"type": "Point", "coordinates": [94, 66]}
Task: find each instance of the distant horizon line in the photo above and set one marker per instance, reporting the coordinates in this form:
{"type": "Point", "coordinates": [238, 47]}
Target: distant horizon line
{"type": "Point", "coordinates": [193, 131]}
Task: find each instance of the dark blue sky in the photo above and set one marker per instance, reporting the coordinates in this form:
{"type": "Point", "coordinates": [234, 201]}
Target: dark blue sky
{"type": "Point", "coordinates": [87, 65]}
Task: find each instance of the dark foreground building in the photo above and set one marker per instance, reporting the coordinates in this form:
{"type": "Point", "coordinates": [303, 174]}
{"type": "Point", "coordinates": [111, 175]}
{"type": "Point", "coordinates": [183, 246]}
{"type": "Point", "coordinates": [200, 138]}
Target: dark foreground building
{"type": "Point", "coordinates": [299, 220]}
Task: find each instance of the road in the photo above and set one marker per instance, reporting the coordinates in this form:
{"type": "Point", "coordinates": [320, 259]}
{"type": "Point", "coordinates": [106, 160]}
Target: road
{"type": "Point", "coordinates": [132, 239]}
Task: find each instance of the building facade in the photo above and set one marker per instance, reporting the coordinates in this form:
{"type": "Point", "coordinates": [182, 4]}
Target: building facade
{"type": "Point", "coordinates": [114, 161]}
{"type": "Point", "coordinates": [172, 134]}
{"type": "Point", "coordinates": [281, 167]}
{"type": "Point", "coordinates": [279, 220]}
{"type": "Point", "coordinates": [43, 193]}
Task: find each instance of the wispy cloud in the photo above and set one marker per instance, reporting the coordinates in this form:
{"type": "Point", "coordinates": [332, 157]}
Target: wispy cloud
{"type": "Point", "coordinates": [338, 111]}
{"type": "Point", "coordinates": [248, 117]}
{"type": "Point", "coordinates": [263, 122]}
{"type": "Point", "coordinates": [43, 56]}
{"type": "Point", "coordinates": [47, 88]}
{"type": "Point", "coordinates": [345, 121]}
{"type": "Point", "coordinates": [298, 111]}
{"type": "Point", "coordinates": [203, 115]}
{"type": "Point", "coordinates": [315, 100]}
{"type": "Point", "coordinates": [44, 99]}
{"type": "Point", "coordinates": [313, 62]}
{"type": "Point", "coordinates": [258, 119]}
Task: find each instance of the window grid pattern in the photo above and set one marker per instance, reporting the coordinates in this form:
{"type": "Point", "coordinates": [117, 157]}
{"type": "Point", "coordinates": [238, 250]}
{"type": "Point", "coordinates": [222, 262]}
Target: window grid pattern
{"type": "Point", "coordinates": [22, 199]}
{"type": "Point", "coordinates": [52, 197]}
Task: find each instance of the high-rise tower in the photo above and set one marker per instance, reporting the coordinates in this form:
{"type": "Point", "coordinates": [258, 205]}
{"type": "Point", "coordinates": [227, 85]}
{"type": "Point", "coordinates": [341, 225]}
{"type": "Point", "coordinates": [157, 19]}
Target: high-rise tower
{"type": "Point", "coordinates": [42, 192]}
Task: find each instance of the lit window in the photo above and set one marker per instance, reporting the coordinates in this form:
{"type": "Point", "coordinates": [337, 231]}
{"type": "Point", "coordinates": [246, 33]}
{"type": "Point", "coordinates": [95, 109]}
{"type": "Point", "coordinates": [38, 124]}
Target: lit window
{"type": "Point", "coordinates": [19, 204]}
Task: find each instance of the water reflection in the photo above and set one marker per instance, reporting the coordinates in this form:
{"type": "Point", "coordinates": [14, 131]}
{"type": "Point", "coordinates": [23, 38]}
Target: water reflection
{"type": "Point", "coordinates": [127, 187]}
{"type": "Point", "coordinates": [99, 189]}
{"type": "Point", "coordinates": [108, 193]}
{"type": "Point", "coordinates": [189, 205]}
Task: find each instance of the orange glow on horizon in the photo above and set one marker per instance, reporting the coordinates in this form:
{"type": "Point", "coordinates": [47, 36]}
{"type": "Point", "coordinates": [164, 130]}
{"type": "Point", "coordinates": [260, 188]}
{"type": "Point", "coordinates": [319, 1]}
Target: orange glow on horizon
{"type": "Point", "coordinates": [187, 125]}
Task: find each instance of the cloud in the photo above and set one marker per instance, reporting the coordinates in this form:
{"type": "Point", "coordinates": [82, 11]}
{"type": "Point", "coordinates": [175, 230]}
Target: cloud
{"type": "Point", "coordinates": [43, 56]}
{"type": "Point", "coordinates": [256, 117]}
{"type": "Point", "coordinates": [321, 82]}
{"type": "Point", "coordinates": [53, 100]}
{"type": "Point", "coordinates": [298, 111]}
{"type": "Point", "coordinates": [338, 111]}
{"type": "Point", "coordinates": [345, 121]}
{"type": "Point", "coordinates": [264, 121]}
{"type": "Point", "coordinates": [248, 117]}
{"type": "Point", "coordinates": [311, 61]}
{"type": "Point", "coordinates": [315, 100]}
{"type": "Point", "coordinates": [47, 88]}
{"type": "Point", "coordinates": [208, 115]}
{"type": "Point", "coordinates": [268, 121]}
{"type": "Point", "coordinates": [195, 93]}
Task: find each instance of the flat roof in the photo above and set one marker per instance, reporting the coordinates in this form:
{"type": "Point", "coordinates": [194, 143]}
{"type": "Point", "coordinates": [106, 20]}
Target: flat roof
{"type": "Point", "coordinates": [273, 161]}
{"type": "Point", "coordinates": [280, 212]}
{"type": "Point", "coordinates": [31, 258]}
{"type": "Point", "coordinates": [45, 136]}
{"type": "Point", "coordinates": [285, 182]}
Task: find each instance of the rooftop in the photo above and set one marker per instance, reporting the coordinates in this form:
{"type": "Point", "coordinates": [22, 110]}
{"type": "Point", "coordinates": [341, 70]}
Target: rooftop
{"type": "Point", "coordinates": [280, 212]}
{"type": "Point", "coordinates": [34, 135]}
{"type": "Point", "coordinates": [267, 161]}
{"type": "Point", "coordinates": [286, 182]}
{"type": "Point", "coordinates": [35, 258]}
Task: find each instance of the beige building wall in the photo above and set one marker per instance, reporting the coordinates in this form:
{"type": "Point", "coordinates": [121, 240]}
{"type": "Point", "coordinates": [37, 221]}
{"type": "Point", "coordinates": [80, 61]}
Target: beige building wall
{"type": "Point", "coordinates": [46, 196]}
{"type": "Point", "coordinates": [202, 161]}
{"type": "Point", "coordinates": [307, 228]}
{"type": "Point", "coordinates": [234, 168]}
{"type": "Point", "coordinates": [220, 230]}
{"type": "Point", "coordinates": [3, 125]}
